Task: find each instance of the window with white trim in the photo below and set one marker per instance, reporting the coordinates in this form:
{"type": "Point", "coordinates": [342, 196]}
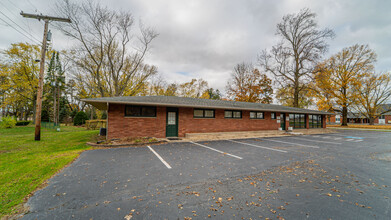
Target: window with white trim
{"type": "Point", "coordinates": [204, 113]}
{"type": "Point", "coordinates": [257, 115]}
{"type": "Point", "coordinates": [232, 114]}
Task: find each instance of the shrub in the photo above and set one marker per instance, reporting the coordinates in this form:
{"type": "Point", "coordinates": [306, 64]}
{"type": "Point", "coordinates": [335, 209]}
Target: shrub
{"type": "Point", "coordinates": [45, 116]}
{"type": "Point", "coordinates": [8, 122]}
{"type": "Point", "coordinates": [80, 118]}
{"type": "Point", "coordinates": [64, 113]}
{"type": "Point", "coordinates": [23, 123]}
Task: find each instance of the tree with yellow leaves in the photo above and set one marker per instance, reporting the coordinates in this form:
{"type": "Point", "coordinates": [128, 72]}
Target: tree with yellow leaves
{"type": "Point", "coordinates": [375, 90]}
{"type": "Point", "coordinates": [20, 71]}
{"type": "Point", "coordinates": [337, 79]}
{"type": "Point", "coordinates": [247, 84]}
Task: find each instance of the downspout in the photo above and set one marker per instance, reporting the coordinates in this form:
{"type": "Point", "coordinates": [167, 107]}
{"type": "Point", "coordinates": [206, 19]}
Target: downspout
{"type": "Point", "coordinates": [107, 122]}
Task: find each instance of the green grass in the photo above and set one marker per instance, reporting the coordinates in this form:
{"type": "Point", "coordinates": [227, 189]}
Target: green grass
{"type": "Point", "coordinates": [25, 164]}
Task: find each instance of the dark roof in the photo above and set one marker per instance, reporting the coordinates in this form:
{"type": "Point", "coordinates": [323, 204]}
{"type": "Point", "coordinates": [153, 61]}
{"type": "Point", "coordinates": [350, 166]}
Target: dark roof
{"type": "Point", "coordinates": [385, 108]}
{"type": "Point", "coordinates": [174, 101]}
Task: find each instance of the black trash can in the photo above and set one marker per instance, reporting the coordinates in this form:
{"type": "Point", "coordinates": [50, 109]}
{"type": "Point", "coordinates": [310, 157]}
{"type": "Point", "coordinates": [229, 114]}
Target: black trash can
{"type": "Point", "coordinates": [102, 131]}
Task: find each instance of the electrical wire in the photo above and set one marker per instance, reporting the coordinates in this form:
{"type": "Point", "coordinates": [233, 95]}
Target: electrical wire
{"type": "Point", "coordinates": [18, 26]}
{"type": "Point", "coordinates": [19, 18]}
{"type": "Point", "coordinates": [20, 32]}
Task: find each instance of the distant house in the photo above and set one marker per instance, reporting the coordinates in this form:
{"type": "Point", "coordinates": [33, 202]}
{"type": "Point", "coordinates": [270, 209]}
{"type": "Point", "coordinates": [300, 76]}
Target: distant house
{"type": "Point", "coordinates": [170, 116]}
{"type": "Point", "coordinates": [358, 118]}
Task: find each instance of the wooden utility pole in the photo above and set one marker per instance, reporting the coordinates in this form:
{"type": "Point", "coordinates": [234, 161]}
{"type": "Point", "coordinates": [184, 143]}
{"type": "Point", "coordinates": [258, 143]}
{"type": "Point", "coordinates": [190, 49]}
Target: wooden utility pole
{"type": "Point", "coordinates": [42, 67]}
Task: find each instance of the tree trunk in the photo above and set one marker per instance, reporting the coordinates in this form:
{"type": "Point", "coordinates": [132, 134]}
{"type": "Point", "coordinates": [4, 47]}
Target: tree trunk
{"type": "Point", "coordinates": [58, 105]}
{"type": "Point", "coordinates": [54, 106]}
{"type": "Point", "coordinates": [371, 120]}
{"type": "Point", "coordinates": [296, 98]}
{"type": "Point", "coordinates": [34, 107]}
{"type": "Point", "coordinates": [3, 107]}
{"type": "Point", "coordinates": [344, 116]}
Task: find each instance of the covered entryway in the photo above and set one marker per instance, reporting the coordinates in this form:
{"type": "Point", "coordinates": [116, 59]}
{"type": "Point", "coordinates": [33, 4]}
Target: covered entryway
{"type": "Point", "coordinates": [282, 120]}
{"type": "Point", "coordinates": [172, 122]}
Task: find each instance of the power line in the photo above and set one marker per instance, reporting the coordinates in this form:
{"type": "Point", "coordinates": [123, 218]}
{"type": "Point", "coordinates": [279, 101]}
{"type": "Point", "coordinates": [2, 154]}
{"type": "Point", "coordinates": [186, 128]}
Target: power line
{"type": "Point", "coordinates": [18, 25]}
{"type": "Point", "coordinates": [13, 4]}
{"type": "Point", "coordinates": [22, 20]}
{"type": "Point", "coordinates": [19, 31]}
{"type": "Point", "coordinates": [36, 9]}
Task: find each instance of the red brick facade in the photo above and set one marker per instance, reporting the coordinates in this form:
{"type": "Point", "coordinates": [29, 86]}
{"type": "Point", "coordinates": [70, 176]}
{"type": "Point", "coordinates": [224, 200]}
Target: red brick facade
{"type": "Point", "coordinates": [189, 124]}
{"type": "Point", "coordinates": [120, 126]}
{"type": "Point", "coordinates": [331, 120]}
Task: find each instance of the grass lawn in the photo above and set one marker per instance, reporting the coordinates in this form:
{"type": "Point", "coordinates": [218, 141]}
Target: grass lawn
{"type": "Point", "coordinates": [383, 127]}
{"type": "Point", "coordinates": [25, 164]}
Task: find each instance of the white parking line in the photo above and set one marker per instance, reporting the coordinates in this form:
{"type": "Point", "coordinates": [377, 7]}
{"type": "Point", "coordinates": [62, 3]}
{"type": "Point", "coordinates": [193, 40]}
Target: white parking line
{"type": "Point", "coordinates": [160, 158]}
{"type": "Point", "coordinates": [340, 135]}
{"type": "Point", "coordinates": [210, 148]}
{"type": "Point", "coordinates": [313, 140]}
{"type": "Point", "coordinates": [253, 145]}
{"type": "Point", "coordinates": [290, 143]}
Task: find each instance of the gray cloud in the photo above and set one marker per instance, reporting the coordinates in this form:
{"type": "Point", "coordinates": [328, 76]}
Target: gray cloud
{"type": "Point", "coordinates": [207, 38]}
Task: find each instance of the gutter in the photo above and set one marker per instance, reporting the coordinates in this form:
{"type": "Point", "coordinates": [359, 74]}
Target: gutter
{"type": "Point", "coordinates": [210, 107]}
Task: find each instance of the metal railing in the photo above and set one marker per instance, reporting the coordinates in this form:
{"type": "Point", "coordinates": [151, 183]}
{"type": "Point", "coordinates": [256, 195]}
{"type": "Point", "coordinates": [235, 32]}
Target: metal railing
{"type": "Point", "coordinates": [50, 125]}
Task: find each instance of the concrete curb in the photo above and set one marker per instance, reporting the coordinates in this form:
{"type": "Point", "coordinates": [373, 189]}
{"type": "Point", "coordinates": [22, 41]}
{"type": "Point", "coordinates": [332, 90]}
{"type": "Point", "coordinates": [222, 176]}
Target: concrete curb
{"type": "Point", "coordinates": [362, 129]}
{"type": "Point", "coordinates": [124, 145]}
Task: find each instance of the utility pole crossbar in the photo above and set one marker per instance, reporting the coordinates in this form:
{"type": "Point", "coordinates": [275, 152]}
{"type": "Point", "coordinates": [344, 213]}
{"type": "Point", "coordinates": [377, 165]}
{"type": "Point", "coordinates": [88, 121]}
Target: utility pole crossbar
{"type": "Point", "coordinates": [42, 67]}
{"type": "Point", "coordinates": [44, 17]}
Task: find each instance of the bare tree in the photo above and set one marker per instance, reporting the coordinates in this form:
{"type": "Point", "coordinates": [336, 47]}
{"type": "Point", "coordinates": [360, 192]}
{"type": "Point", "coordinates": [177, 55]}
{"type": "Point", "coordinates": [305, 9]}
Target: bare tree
{"type": "Point", "coordinates": [293, 59]}
{"type": "Point", "coordinates": [109, 59]}
{"type": "Point", "coordinates": [375, 90]}
{"type": "Point", "coordinates": [247, 84]}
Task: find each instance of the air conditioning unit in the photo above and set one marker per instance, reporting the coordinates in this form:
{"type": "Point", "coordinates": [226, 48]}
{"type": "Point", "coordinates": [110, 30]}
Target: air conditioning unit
{"type": "Point", "coordinates": [280, 129]}
{"type": "Point", "coordinates": [290, 128]}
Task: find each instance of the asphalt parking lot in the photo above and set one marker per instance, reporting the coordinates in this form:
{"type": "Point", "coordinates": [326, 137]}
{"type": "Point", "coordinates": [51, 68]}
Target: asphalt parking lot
{"type": "Point", "coordinates": [343, 175]}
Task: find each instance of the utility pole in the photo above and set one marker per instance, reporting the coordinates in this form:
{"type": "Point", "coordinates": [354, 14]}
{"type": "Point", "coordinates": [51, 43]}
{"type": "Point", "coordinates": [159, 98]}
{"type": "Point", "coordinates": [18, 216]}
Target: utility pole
{"type": "Point", "coordinates": [42, 66]}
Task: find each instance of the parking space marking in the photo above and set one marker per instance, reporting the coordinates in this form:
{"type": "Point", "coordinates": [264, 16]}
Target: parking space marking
{"type": "Point", "coordinates": [210, 148]}
{"type": "Point", "coordinates": [314, 140]}
{"type": "Point", "coordinates": [303, 145]}
{"type": "Point", "coordinates": [160, 158]}
{"type": "Point", "coordinates": [253, 145]}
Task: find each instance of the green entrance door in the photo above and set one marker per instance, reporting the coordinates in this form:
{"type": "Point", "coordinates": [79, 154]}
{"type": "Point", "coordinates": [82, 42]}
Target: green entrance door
{"type": "Point", "coordinates": [172, 122]}
{"type": "Point", "coordinates": [282, 118]}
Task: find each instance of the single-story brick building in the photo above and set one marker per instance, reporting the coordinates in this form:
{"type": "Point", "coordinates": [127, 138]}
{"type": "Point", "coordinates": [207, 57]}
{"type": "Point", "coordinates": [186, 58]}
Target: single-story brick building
{"type": "Point", "coordinates": [384, 117]}
{"type": "Point", "coordinates": [170, 116]}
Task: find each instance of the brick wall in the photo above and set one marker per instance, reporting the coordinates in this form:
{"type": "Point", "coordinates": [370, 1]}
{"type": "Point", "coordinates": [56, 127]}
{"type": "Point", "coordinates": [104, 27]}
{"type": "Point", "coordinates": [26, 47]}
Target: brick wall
{"type": "Point", "coordinates": [188, 124]}
{"type": "Point", "coordinates": [121, 126]}
{"type": "Point", "coordinates": [388, 118]}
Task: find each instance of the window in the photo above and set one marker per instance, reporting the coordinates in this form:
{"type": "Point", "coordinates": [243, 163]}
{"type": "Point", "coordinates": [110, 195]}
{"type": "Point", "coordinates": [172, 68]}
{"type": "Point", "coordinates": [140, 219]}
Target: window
{"type": "Point", "coordinates": [232, 114]}
{"type": "Point", "coordinates": [204, 113]}
{"type": "Point", "coordinates": [382, 117]}
{"type": "Point", "coordinates": [273, 115]}
{"type": "Point", "coordinates": [315, 121]}
{"type": "Point", "coordinates": [140, 111]}
{"type": "Point", "coordinates": [297, 120]}
{"type": "Point", "coordinates": [256, 115]}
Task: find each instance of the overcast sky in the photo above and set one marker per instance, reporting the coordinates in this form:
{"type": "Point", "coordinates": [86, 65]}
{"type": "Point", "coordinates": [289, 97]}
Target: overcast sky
{"type": "Point", "coordinates": [206, 38]}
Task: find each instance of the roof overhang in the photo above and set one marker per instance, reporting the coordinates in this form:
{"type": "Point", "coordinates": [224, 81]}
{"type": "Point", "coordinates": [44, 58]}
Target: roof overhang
{"type": "Point", "coordinates": [102, 105]}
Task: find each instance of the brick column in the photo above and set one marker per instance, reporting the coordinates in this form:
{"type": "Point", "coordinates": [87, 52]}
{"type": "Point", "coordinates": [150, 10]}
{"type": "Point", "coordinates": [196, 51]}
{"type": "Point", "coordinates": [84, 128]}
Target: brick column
{"type": "Point", "coordinates": [323, 121]}
{"type": "Point", "coordinates": [307, 121]}
{"type": "Point", "coordinates": [286, 121]}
